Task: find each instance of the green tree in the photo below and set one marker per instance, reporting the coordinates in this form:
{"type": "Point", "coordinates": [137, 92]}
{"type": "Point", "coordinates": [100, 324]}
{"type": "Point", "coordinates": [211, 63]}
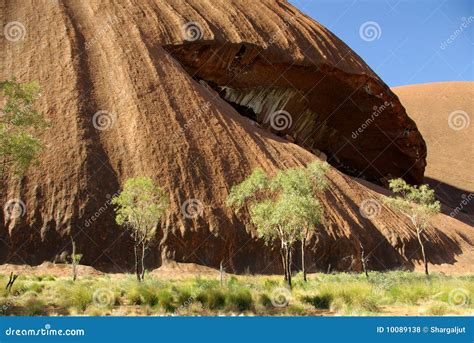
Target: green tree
{"type": "Point", "coordinates": [418, 204]}
{"type": "Point", "coordinates": [282, 208]}
{"type": "Point", "coordinates": [140, 207]}
{"type": "Point", "coordinates": [75, 259]}
{"type": "Point", "coordinates": [19, 121]}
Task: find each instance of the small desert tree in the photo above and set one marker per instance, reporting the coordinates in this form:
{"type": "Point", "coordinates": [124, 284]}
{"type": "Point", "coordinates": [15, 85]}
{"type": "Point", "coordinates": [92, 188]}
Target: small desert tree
{"type": "Point", "coordinates": [418, 204]}
{"type": "Point", "coordinates": [282, 208]}
{"type": "Point", "coordinates": [75, 259]}
{"type": "Point", "coordinates": [19, 146]}
{"type": "Point", "coordinates": [317, 174]}
{"type": "Point", "coordinates": [140, 207]}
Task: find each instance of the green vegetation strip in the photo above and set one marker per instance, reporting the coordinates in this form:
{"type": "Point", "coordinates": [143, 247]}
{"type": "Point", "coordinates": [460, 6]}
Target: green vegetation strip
{"type": "Point", "coordinates": [322, 294]}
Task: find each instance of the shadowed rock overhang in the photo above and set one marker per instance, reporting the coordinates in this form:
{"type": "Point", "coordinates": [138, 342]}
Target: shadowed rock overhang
{"type": "Point", "coordinates": [354, 119]}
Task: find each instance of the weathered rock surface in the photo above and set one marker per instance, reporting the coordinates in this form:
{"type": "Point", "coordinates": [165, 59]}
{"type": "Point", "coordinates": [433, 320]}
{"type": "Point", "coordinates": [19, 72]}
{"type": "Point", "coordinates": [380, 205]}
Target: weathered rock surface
{"type": "Point", "coordinates": [162, 117]}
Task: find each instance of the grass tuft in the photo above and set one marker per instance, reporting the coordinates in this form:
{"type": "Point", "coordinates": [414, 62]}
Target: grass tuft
{"type": "Point", "coordinates": [321, 302]}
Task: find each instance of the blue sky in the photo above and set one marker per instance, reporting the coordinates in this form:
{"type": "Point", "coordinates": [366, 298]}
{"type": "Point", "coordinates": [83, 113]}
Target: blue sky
{"type": "Point", "coordinates": [404, 41]}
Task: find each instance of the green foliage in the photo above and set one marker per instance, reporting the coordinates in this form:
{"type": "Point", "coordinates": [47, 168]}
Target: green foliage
{"type": "Point", "coordinates": [265, 301]}
{"type": "Point", "coordinates": [417, 203]}
{"type": "Point", "coordinates": [239, 194]}
{"type": "Point", "coordinates": [34, 306]}
{"type": "Point", "coordinates": [78, 296]}
{"type": "Point", "coordinates": [183, 297]}
{"type": "Point", "coordinates": [297, 310]}
{"type": "Point", "coordinates": [322, 301]}
{"type": "Point", "coordinates": [343, 293]}
{"type": "Point", "coordinates": [166, 300]}
{"type": "Point", "coordinates": [211, 298]}
{"type": "Point", "coordinates": [285, 206]}
{"type": "Point", "coordinates": [76, 258]}
{"type": "Point", "coordinates": [410, 295]}
{"type": "Point", "coordinates": [149, 295]}
{"type": "Point", "coordinates": [133, 295]}
{"type": "Point", "coordinates": [19, 146]}
{"type": "Point", "coordinates": [232, 282]}
{"type": "Point", "coordinates": [141, 206]}
{"type": "Point", "coordinates": [142, 293]}
{"type": "Point", "coordinates": [239, 300]}
{"type": "Point", "coordinates": [34, 287]}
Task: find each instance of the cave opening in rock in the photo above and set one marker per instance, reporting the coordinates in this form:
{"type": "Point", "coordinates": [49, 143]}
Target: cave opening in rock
{"type": "Point", "coordinates": [320, 108]}
{"type": "Point", "coordinates": [244, 111]}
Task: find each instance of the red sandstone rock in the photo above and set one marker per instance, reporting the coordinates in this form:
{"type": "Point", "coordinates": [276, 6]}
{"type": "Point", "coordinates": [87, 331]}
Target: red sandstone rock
{"type": "Point", "coordinates": [130, 63]}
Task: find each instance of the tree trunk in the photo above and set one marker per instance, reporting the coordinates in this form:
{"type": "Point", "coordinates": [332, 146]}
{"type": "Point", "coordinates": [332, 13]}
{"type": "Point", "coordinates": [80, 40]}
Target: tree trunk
{"type": "Point", "coordinates": [303, 265]}
{"type": "Point", "coordinates": [362, 257]}
{"type": "Point", "coordinates": [143, 261]}
{"type": "Point", "coordinates": [221, 272]}
{"type": "Point", "coordinates": [283, 261]}
{"type": "Point", "coordinates": [418, 235]}
{"type": "Point", "coordinates": [288, 263]}
{"type": "Point", "coordinates": [137, 271]}
{"type": "Point", "coordinates": [73, 260]}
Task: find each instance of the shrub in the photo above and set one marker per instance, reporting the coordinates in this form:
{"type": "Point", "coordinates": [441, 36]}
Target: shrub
{"type": "Point", "coordinates": [34, 287]}
{"type": "Point", "coordinates": [270, 284]}
{"type": "Point", "coordinates": [49, 278]}
{"type": "Point", "coordinates": [34, 306]}
{"type": "Point", "coordinates": [19, 288]}
{"type": "Point", "coordinates": [232, 282]}
{"type": "Point", "coordinates": [205, 284]}
{"type": "Point", "coordinates": [240, 300]}
{"type": "Point", "coordinates": [265, 301]}
{"type": "Point", "coordinates": [133, 295]}
{"type": "Point", "coordinates": [166, 301]}
{"type": "Point", "coordinates": [297, 310]}
{"type": "Point", "coordinates": [410, 292]}
{"type": "Point", "coordinates": [149, 296]}
{"type": "Point", "coordinates": [183, 297]}
{"type": "Point", "coordinates": [322, 301]}
{"type": "Point", "coordinates": [77, 296]}
{"type": "Point", "coordinates": [211, 298]}
{"type": "Point", "coordinates": [338, 305]}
